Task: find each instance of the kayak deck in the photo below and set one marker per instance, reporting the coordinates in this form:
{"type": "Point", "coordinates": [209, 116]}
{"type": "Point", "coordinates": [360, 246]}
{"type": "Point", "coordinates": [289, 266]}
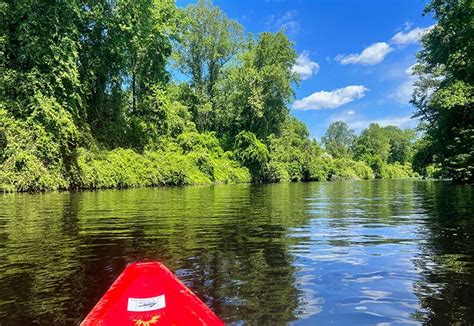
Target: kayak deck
{"type": "Point", "coordinates": [148, 294]}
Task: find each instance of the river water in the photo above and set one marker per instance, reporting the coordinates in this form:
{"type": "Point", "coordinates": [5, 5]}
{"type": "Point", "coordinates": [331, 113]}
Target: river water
{"type": "Point", "coordinates": [341, 253]}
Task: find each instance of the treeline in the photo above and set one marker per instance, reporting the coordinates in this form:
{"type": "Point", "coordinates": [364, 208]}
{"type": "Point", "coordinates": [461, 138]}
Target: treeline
{"type": "Point", "coordinates": [386, 152]}
{"type": "Point", "coordinates": [102, 94]}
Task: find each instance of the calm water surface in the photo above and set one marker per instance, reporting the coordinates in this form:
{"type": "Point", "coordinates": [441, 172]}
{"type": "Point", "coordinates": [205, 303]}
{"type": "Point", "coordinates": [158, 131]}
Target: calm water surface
{"type": "Point", "coordinates": [342, 253]}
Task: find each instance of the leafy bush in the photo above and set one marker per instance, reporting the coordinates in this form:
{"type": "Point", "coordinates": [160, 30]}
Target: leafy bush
{"type": "Point", "coordinates": [123, 168]}
{"type": "Point", "coordinates": [252, 153]}
{"type": "Point", "coordinates": [433, 171]}
{"type": "Point", "coordinates": [276, 172]}
{"type": "Point", "coordinates": [349, 169]}
{"type": "Point", "coordinates": [362, 170]}
{"type": "Point", "coordinates": [194, 141]}
{"type": "Point", "coordinates": [32, 156]}
{"type": "Point", "coordinates": [396, 171]}
{"type": "Point", "coordinates": [291, 154]}
{"type": "Point", "coordinates": [319, 169]}
{"type": "Point", "coordinates": [36, 162]}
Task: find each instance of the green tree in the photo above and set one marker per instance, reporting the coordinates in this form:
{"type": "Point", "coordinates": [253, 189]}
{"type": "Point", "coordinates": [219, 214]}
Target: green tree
{"type": "Point", "coordinates": [125, 49]}
{"type": "Point", "coordinates": [373, 141]}
{"type": "Point", "coordinates": [339, 140]}
{"type": "Point", "coordinates": [252, 153]}
{"type": "Point", "coordinates": [260, 90]}
{"type": "Point", "coordinates": [292, 153]}
{"type": "Point", "coordinates": [87, 102]}
{"type": "Point", "coordinates": [378, 146]}
{"type": "Point", "coordinates": [444, 94]}
{"type": "Point", "coordinates": [207, 43]}
{"type": "Point", "coordinates": [373, 147]}
{"type": "Point", "coordinates": [401, 143]}
{"type": "Point", "coordinates": [40, 44]}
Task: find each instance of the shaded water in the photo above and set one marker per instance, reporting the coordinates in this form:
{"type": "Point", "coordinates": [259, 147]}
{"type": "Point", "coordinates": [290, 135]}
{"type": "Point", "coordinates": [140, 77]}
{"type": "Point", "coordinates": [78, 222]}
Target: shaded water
{"type": "Point", "coordinates": [395, 252]}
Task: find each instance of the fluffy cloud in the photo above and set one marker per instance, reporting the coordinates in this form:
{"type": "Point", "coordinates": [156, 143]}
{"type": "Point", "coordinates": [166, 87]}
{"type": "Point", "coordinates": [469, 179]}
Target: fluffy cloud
{"type": "Point", "coordinates": [330, 99]}
{"type": "Point", "coordinates": [369, 56]}
{"type": "Point", "coordinates": [304, 66]}
{"type": "Point", "coordinates": [376, 52]}
{"type": "Point", "coordinates": [409, 37]}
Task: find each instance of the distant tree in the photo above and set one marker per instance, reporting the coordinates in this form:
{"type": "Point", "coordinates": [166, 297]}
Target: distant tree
{"type": "Point", "coordinates": [381, 145]}
{"type": "Point", "coordinates": [373, 147]}
{"type": "Point", "coordinates": [372, 141]}
{"type": "Point", "coordinates": [401, 144]}
{"type": "Point", "coordinates": [339, 140]}
{"type": "Point", "coordinates": [444, 93]}
{"type": "Point", "coordinates": [292, 153]}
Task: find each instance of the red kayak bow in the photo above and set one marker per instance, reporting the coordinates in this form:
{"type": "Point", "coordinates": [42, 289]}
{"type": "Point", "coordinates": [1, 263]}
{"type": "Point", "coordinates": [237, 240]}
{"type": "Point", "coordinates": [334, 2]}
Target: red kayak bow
{"type": "Point", "coordinates": [148, 294]}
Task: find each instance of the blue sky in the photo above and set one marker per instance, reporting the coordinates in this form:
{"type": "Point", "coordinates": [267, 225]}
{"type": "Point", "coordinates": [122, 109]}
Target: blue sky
{"type": "Point", "coordinates": [354, 56]}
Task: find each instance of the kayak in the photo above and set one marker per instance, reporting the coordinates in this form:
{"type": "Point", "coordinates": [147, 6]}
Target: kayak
{"type": "Point", "coordinates": [149, 294]}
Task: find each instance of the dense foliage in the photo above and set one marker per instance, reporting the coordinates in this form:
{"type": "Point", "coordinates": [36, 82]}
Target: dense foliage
{"type": "Point", "coordinates": [385, 151]}
{"type": "Point", "coordinates": [103, 94]}
{"type": "Point", "coordinates": [444, 94]}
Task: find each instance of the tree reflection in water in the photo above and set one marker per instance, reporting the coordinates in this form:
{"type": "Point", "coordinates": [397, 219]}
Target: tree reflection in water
{"type": "Point", "coordinates": [446, 261]}
{"type": "Point", "coordinates": [229, 244]}
{"type": "Point", "coordinates": [366, 252]}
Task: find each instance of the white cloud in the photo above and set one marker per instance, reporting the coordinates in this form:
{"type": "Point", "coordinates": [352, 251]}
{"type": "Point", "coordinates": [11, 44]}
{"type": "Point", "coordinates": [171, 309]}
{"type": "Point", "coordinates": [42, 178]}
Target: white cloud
{"type": "Point", "coordinates": [371, 55]}
{"type": "Point", "coordinates": [286, 22]}
{"type": "Point", "coordinates": [409, 37]}
{"type": "Point", "coordinates": [346, 116]}
{"type": "Point", "coordinates": [330, 99]}
{"type": "Point", "coordinates": [304, 66]}
{"type": "Point", "coordinates": [407, 25]}
{"type": "Point", "coordinates": [376, 52]}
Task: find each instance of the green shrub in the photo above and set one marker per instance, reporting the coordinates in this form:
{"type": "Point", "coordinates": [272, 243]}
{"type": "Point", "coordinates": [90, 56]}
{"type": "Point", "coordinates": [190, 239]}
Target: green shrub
{"type": "Point", "coordinates": [319, 169]}
{"type": "Point", "coordinates": [396, 171]}
{"type": "Point", "coordinates": [277, 172]}
{"type": "Point", "coordinates": [31, 156]}
{"type": "Point", "coordinates": [36, 162]}
{"type": "Point", "coordinates": [348, 169]}
{"type": "Point", "coordinates": [433, 171]}
{"type": "Point", "coordinates": [362, 170]}
{"type": "Point", "coordinates": [123, 168]}
{"type": "Point", "coordinates": [252, 153]}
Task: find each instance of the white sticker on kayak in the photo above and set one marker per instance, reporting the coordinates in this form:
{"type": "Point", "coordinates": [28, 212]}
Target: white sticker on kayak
{"type": "Point", "coordinates": [146, 304]}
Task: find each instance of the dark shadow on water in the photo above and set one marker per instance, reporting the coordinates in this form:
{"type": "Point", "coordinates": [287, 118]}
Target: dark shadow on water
{"type": "Point", "coordinates": [446, 261]}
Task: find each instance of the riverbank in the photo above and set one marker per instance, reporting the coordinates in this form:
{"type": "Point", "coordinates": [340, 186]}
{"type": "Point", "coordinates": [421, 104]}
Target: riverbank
{"type": "Point", "coordinates": [127, 168]}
